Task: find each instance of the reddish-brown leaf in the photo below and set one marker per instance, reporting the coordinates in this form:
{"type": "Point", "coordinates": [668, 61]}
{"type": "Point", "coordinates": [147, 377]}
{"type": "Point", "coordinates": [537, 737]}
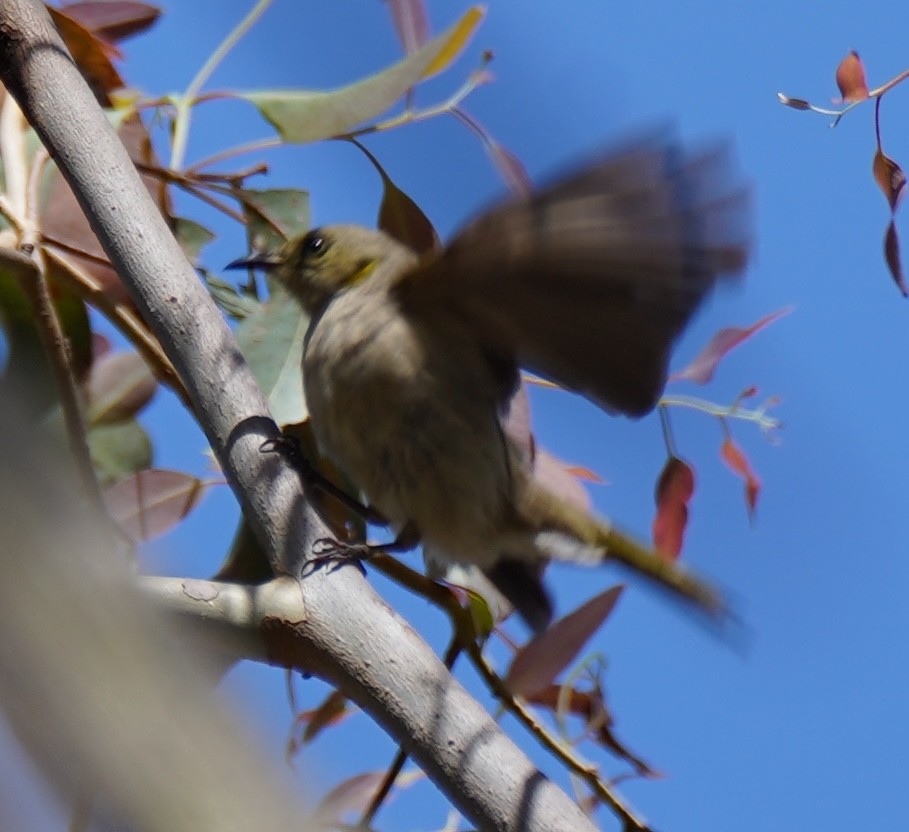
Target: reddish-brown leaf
{"type": "Point", "coordinates": [591, 707]}
{"type": "Point", "coordinates": [703, 367]}
{"type": "Point", "coordinates": [735, 459]}
{"type": "Point", "coordinates": [93, 54]}
{"type": "Point", "coordinates": [151, 502]}
{"type": "Point", "coordinates": [850, 78]}
{"type": "Point", "coordinates": [114, 20]}
{"type": "Point", "coordinates": [64, 222]}
{"type": "Point", "coordinates": [892, 256]}
{"type": "Point", "coordinates": [889, 177]}
{"type": "Point", "coordinates": [538, 662]}
{"type": "Point", "coordinates": [119, 385]}
{"type": "Point", "coordinates": [673, 493]}
{"type": "Point", "coordinates": [333, 709]}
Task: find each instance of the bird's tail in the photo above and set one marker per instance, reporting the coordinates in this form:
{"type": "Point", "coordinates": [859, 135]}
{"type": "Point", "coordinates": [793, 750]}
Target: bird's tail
{"type": "Point", "coordinates": [568, 533]}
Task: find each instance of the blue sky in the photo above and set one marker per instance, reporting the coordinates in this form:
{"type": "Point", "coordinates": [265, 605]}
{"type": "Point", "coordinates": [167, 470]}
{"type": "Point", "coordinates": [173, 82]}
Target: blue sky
{"type": "Point", "coordinates": [802, 727]}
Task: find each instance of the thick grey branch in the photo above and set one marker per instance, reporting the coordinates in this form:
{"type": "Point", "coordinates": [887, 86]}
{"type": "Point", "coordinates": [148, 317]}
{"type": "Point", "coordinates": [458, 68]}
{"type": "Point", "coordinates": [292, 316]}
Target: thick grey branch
{"type": "Point", "coordinates": [348, 635]}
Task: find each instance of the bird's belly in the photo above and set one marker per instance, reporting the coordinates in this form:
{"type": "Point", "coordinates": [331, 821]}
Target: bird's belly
{"type": "Point", "coordinates": [422, 448]}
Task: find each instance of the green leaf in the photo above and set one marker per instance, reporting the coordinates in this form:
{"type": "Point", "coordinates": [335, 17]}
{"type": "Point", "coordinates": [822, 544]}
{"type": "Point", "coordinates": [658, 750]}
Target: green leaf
{"type": "Point", "coordinates": [272, 342]}
{"type": "Point", "coordinates": [309, 115]}
{"type": "Point", "coordinates": [238, 305]}
{"type": "Point", "coordinates": [191, 236]}
{"type": "Point", "coordinates": [119, 450]}
{"type": "Point", "coordinates": [272, 216]}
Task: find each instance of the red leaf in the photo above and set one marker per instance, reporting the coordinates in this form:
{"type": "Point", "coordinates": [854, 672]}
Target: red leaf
{"type": "Point", "coordinates": [538, 662]}
{"type": "Point", "coordinates": [735, 459]}
{"type": "Point", "coordinates": [703, 367]}
{"type": "Point", "coordinates": [850, 78]}
{"type": "Point", "coordinates": [673, 493]}
{"type": "Point", "coordinates": [889, 177]}
{"type": "Point", "coordinates": [892, 255]}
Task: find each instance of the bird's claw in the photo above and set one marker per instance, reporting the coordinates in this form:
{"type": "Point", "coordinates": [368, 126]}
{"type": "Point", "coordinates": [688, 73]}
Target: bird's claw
{"type": "Point", "coordinates": [328, 550]}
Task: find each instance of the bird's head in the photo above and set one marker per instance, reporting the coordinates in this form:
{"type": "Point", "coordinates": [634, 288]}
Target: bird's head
{"type": "Point", "coordinates": [320, 264]}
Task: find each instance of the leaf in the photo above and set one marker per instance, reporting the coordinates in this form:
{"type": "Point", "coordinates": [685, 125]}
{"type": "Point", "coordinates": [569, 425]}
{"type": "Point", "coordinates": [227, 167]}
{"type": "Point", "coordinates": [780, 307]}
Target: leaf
{"type": "Point", "coordinates": [703, 367]}
{"type": "Point", "coordinates": [114, 20]}
{"type": "Point", "coordinates": [192, 237]}
{"type": "Point", "coordinates": [333, 709]}
{"type": "Point", "coordinates": [510, 167]}
{"type": "Point", "coordinates": [271, 339]}
{"type": "Point", "coordinates": [892, 256]}
{"type": "Point", "coordinates": [355, 794]}
{"type": "Point", "coordinates": [674, 490]}
{"type": "Point", "coordinates": [850, 78]}
{"type": "Point", "coordinates": [119, 386]}
{"type": "Point", "coordinates": [400, 216]}
{"type": "Point", "coordinates": [274, 215]}
{"type": "Point", "coordinates": [591, 707]}
{"type": "Point", "coordinates": [562, 479]}
{"type": "Point", "coordinates": [889, 177]}
{"type": "Point", "coordinates": [537, 664]}
{"type": "Point", "coordinates": [302, 116]}
{"type": "Point", "coordinates": [738, 463]}
{"type": "Point", "coordinates": [411, 23]}
{"type": "Point", "coordinates": [795, 103]}
{"type": "Point", "coordinates": [151, 502]}
{"type": "Point", "coordinates": [93, 55]}
{"type": "Point", "coordinates": [119, 450]}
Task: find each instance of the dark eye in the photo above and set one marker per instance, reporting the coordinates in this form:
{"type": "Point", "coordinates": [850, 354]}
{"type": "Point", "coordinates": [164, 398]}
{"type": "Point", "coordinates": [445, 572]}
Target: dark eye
{"type": "Point", "coordinates": [314, 245]}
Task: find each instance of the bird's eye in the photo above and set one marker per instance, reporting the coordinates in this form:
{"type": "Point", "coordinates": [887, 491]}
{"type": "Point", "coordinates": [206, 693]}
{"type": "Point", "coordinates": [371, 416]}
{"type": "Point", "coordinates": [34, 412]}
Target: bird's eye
{"type": "Point", "coordinates": [315, 245]}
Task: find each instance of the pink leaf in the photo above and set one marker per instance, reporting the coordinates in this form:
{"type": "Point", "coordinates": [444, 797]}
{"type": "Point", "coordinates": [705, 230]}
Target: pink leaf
{"type": "Point", "coordinates": [703, 367]}
{"type": "Point", "coordinates": [536, 665]}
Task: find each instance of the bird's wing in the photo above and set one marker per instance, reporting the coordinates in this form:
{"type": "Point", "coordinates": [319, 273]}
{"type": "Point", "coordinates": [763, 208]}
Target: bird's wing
{"type": "Point", "coordinates": [590, 280]}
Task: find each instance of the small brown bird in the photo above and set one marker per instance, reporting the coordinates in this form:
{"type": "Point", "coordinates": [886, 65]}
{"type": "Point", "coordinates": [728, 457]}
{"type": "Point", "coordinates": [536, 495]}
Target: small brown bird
{"type": "Point", "coordinates": [410, 361]}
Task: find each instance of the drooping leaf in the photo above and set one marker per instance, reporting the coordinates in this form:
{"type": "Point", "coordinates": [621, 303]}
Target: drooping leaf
{"type": "Point", "coordinates": [302, 116]}
{"type": "Point", "coordinates": [892, 256]}
{"type": "Point", "coordinates": [399, 216]}
{"type": "Point", "coordinates": [113, 20]}
{"type": "Point", "coordinates": [537, 663]}
{"type": "Point", "coordinates": [93, 55]}
{"type": "Point", "coordinates": [795, 103]}
{"type": "Point", "coordinates": [272, 342]}
{"type": "Point", "coordinates": [889, 177]}
{"type": "Point", "coordinates": [738, 463]}
{"type": "Point", "coordinates": [151, 502]}
{"type": "Point", "coordinates": [119, 386]}
{"type": "Point", "coordinates": [850, 78]}
{"type": "Point", "coordinates": [703, 367]}
{"type": "Point", "coordinates": [674, 490]}
{"type": "Point", "coordinates": [411, 23]}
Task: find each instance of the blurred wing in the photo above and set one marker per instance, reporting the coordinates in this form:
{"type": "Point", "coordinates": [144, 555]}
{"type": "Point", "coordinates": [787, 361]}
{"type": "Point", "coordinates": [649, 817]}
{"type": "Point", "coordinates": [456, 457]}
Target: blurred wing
{"type": "Point", "coordinates": [590, 280]}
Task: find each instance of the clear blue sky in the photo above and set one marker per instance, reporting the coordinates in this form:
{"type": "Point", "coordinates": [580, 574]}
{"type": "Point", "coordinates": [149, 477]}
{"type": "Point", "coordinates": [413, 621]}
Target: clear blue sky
{"type": "Point", "coordinates": [803, 728]}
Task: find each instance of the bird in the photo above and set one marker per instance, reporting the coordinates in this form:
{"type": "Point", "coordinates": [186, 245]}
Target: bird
{"type": "Point", "coordinates": [411, 359]}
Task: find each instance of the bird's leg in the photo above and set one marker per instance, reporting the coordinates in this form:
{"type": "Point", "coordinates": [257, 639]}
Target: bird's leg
{"type": "Point", "coordinates": [289, 447]}
{"type": "Point", "coordinates": [329, 550]}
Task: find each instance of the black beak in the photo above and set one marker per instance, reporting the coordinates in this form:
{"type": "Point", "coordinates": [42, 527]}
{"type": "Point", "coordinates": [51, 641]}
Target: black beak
{"type": "Point", "coordinates": [265, 260]}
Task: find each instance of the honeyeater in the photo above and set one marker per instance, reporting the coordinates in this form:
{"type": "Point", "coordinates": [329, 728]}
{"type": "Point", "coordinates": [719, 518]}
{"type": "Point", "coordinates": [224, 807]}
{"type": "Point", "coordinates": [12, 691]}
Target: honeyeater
{"type": "Point", "coordinates": [410, 361]}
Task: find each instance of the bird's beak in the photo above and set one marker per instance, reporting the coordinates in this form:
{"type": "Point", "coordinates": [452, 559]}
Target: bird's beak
{"type": "Point", "coordinates": [265, 260]}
